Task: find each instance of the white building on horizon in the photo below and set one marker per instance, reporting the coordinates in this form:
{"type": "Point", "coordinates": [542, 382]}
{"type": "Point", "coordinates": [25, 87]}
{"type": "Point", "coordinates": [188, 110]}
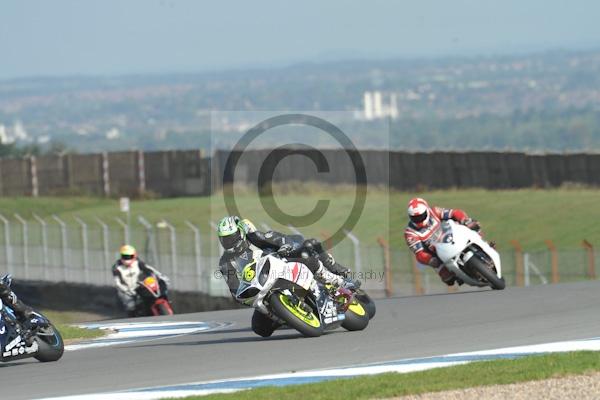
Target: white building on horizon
{"type": "Point", "coordinates": [378, 105]}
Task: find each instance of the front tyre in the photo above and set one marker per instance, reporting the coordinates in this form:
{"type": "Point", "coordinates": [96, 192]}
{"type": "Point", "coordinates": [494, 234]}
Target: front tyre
{"type": "Point", "coordinates": [357, 317]}
{"type": "Point", "coordinates": [164, 309]}
{"type": "Point", "coordinates": [50, 344]}
{"type": "Point", "coordinates": [263, 325]}
{"type": "Point", "coordinates": [495, 282]}
{"type": "Point", "coordinates": [298, 316]}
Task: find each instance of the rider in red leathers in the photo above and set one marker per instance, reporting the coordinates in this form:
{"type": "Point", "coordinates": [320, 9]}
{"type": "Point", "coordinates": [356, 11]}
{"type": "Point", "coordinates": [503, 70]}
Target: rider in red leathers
{"type": "Point", "coordinates": [424, 224]}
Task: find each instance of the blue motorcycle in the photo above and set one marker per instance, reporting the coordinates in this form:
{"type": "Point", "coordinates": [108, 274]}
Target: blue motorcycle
{"type": "Point", "coordinates": [41, 341]}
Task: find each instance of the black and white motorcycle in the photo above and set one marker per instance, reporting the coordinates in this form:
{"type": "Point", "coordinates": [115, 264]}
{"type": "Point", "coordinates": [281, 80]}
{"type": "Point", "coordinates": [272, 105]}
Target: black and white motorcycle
{"type": "Point", "coordinates": [465, 253]}
{"type": "Point", "coordinates": [18, 341]}
{"type": "Point", "coordinates": [289, 294]}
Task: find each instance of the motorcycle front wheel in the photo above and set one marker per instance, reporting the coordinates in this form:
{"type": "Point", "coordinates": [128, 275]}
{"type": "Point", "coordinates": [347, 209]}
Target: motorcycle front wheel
{"type": "Point", "coordinates": [495, 282]}
{"type": "Point", "coordinates": [296, 314]}
{"type": "Point", "coordinates": [50, 344]}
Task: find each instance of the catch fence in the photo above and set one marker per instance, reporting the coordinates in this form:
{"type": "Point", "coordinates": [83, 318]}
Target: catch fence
{"type": "Point", "coordinates": [73, 249]}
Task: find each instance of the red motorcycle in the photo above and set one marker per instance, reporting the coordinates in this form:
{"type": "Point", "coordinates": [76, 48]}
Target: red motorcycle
{"type": "Point", "coordinates": [152, 297]}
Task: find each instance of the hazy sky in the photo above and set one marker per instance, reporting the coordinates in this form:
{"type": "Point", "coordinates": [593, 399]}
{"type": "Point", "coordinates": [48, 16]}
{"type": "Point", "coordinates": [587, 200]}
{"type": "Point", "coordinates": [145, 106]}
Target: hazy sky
{"type": "Point", "coordinates": [62, 37]}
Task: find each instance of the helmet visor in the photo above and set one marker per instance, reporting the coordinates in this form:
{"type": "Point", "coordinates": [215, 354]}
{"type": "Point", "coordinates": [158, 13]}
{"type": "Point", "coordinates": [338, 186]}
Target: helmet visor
{"type": "Point", "coordinates": [231, 241]}
{"type": "Point", "coordinates": [417, 219]}
{"type": "Point", "coordinates": [127, 256]}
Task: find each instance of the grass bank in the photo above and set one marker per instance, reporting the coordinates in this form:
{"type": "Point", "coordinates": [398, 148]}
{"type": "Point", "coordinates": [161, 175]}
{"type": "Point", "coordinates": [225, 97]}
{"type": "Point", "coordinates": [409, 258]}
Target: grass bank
{"type": "Point", "coordinates": [440, 379]}
{"type": "Point", "coordinates": [565, 216]}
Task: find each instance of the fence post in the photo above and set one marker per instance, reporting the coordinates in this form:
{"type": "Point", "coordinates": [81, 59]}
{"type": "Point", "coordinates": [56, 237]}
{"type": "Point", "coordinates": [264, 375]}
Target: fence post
{"type": "Point", "coordinates": [173, 239]}
{"type": "Point", "coordinates": [125, 230]}
{"type": "Point", "coordinates": [220, 249]}
{"type": "Point", "coordinates": [44, 244]}
{"type": "Point", "coordinates": [518, 263]}
{"type": "Point", "coordinates": [105, 239]}
{"type": "Point", "coordinates": [141, 172]}
{"type": "Point", "coordinates": [105, 174]}
{"type": "Point", "coordinates": [25, 244]}
{"type": "Point", "coordinates": [150, 241]}
{"type": "Point", "coordinates": [7, 246]}
{"type": "Point", "coordinates": [554, 254]}
{"type": "Point", "coordinates": [589, 249]}
{"type": "Point", "coordinates": [63, 243]}
{"type": "Point", "coordinates": [417, 277]}
{"type": "Point", "coordinates": [327, 240]}
{"type": "Point", "coordinates": [388, 266]}
{"type": "Point", "coordinates": [34, 177]}
{"type": "Point", "coordinates": [356, 244]}
{"type": "Point", "coordinates": [198, 256]}
{"type": "Point", "coordinates": [84, 242]}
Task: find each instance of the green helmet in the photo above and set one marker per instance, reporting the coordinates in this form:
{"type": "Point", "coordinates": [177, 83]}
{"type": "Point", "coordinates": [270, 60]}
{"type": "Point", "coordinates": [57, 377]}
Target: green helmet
{"type": "Point", "coordinates": [231, 235]}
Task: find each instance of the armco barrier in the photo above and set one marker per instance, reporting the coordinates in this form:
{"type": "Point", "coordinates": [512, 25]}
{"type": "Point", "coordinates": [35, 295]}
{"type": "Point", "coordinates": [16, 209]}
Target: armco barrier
{"type": "Point", "coordinates": [69, 296]}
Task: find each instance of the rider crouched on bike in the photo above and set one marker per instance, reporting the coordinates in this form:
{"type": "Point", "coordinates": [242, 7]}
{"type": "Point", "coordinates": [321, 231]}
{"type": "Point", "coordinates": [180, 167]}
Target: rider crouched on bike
{"type": "Point", "coordinates": [127, 272]}
{"type": "Point", "coordinates": [23, 312]}
{"type": "Point", "coordinates": [424, 224]}
{"type": "Point", "coordinates": [240, 239]}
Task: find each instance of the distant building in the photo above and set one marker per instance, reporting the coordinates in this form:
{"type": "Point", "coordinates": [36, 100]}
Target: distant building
{"type": "Point", "coordinates": [377, 105]}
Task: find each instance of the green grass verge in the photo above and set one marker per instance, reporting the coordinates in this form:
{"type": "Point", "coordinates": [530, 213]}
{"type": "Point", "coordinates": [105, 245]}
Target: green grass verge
{"type": "Point", "coordinates": [566, 216]}
{"type": "Point", "coordinates": [63, 321]}
{"type": "Point", "coordinates": [382, 386]}
{"type": "Point", "coordinates": [69, 332]}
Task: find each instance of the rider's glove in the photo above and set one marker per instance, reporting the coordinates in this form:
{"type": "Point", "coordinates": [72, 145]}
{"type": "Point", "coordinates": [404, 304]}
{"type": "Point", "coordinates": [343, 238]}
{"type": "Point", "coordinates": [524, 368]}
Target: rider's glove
{"type": "Point", "coordinates": [472, 224]}
{"type": "Point", "coordinates": [285, 250]}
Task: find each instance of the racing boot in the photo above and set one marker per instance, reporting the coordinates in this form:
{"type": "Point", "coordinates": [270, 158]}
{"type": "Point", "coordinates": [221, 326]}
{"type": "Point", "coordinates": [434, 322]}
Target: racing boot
{"type": "Point", "coordinates": [327, 277]}
{"type": "Point", "coordinates": [446, 275]}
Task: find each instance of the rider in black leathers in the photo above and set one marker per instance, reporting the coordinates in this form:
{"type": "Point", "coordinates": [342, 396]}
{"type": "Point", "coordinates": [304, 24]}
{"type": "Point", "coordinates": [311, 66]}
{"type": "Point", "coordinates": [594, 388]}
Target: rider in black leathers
{"type": "Point", "coordinates": [237, 235]}
{"type": "Point", "coordinates": [23, 312]}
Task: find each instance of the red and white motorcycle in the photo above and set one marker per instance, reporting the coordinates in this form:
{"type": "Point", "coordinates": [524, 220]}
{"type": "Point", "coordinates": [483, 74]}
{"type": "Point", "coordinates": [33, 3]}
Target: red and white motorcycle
{"type": "Point", "coordinates": [152, 297]}
{"type": "Point", "coordinates": [465, 253]}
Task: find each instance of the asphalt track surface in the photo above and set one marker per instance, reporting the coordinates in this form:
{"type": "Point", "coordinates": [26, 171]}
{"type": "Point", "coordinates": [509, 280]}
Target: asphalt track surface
{"type": "Point", "coordinates": [404, 327]}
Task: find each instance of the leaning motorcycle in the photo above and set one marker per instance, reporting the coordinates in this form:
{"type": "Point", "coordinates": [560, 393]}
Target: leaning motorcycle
{"type": "Point", "coordinates": [152, 297]}
{"type": "Point", "coordinates": [468, 256]}
{"type": "Point", "coordinates": [19, 341]}
{"type": "Point", "coordinates": [289, 294]}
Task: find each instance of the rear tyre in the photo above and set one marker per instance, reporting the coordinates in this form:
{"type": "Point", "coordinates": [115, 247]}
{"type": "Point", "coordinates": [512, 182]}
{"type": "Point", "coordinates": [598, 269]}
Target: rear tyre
{"type": "Point", "coordinates": [50, 344]}
{"type": "Point", "coordinates": [296, 316]}
{"type": "Point", "coordinates": [357, 317]}
{"type": "Point", "coordinates": [367, 302]}
{"type": "Point", "coordinates": [489, 275]}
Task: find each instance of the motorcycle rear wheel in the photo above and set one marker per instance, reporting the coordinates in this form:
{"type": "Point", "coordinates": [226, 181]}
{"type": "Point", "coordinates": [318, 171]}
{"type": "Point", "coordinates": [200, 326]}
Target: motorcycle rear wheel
{"type": "Point", "coordinates": [495, 282]}
{"type": "Point", "coordinates": [307, 323]}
